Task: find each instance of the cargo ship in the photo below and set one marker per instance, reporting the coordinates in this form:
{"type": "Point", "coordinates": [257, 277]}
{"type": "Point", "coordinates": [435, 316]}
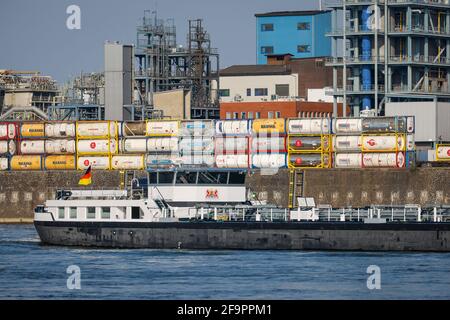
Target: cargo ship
{"type": "Point", "coordinates": [210, 209]}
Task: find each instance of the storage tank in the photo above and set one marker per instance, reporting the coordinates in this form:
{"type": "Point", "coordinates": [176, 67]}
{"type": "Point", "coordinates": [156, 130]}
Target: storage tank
{"type": "Point", "coordinates": [60, 163]}
{"type": "Point", "coordinates": [32, 147]}
{"type": "Point", "coordinates": [197, 128]}
{"type": "Point", "coordinates": [390, 160]}
{"type": "Point", "coordinates": [162, 128]}
{"type": "Point", "coordinates": [4, 164]}
{"type": "Point", "coordinates": [237, 161]}
{"type": "Point", "coordinates": [97, 129]}
{"type": "Point", "coordinates": [231, 145]}
{"type": "Point", "coordinates": [379, 125]}
{"type": "Point", "coordinates": [269, 126]}
{"type": "Point", "coordinates": [134, 129]}
{"type": "Point", "coordinates": [162, 144]}
{"type": "Point", "coordinates": [198, 160]}
{"type": "Point", "coordinates": [347, 125]}
{"type": "Point", "coordinates": [347, 143]}
{"type": "Point", "coordinates": [128, 162]}
{"type": "Point", "coordinates": [269, 161]}
{"type": "Point", "coordinates": [60, 129]}
{"type": "Point", "coordinates": [8, 147]}
{"type": "Point", "coordinates": [60, 146]}
{"type": "Point", "coordinates": [383, 143]}
{"type": "Point", "coordinates": [268, 144]}
{"type": "Point", "coordinates": [189, 145]}
{"type": "Point", "coordinates": [443, 152]}
{"type": "Point", "coordinates": [308, 143]}
{"type": "Point", "coordinates": [233, 127]}
{"type": "Point", "coordinates": [19, 163]}
{"type": "Point", "coordinates": [309, 126]}
{"type": "Point", "coordinates": [97, 146]}
{"type": "Point", "coordinates": [348, 160]}
{"type": "Point", "coordinates": [32, 130]}
{"type": "Point", "coordinates": [309, 160]}
{"type": "Point", "coordinates": [133, 145]}
{"type": "Point", "coordinates": [8, 131]}
{"type": "Point", "coordinates": [96, 163]}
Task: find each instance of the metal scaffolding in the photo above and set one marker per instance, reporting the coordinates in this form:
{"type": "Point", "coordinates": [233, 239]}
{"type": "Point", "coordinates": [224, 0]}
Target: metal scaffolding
{"type": "Point", "coordinates": [391, 50]}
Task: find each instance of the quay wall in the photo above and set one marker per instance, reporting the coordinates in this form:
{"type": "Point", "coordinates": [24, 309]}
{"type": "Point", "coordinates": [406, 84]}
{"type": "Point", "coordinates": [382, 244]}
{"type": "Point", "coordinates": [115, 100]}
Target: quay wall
{"type": "Point", "coordinates": [20, 192]}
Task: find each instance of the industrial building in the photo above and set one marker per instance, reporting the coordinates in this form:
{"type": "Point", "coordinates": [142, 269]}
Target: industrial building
{"type": "Point", "coordinates": [299, 33]}
{"type": "Point", "coordinates": [389, 51]}
{"type": "Point", "coordinates": [162, 65]}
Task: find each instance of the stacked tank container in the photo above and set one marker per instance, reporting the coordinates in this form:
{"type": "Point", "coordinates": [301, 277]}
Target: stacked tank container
{"type": "Point", "coordinates": [443, 152]}
{"type": "Point", "coordinates": [97, 143]}
{"type": "Point", "coordinates": [386, 142]}
{"type": "Point", "coordinates": [268, 144]}
{"type": "Point", "coordinates": [30, 153]}
{"type": "Point", "coordinates": [232, 144]}
{"type": "Point", "coordinates": [196, 143]}
{"type": "Point", "coordinates": [309, 143]}
{"type": "Point", "coordinates": [9, 137]}
{"type": "Point", "coordinates": [132, 146]}
{"type": "Point", "coordinates": [162, 144]}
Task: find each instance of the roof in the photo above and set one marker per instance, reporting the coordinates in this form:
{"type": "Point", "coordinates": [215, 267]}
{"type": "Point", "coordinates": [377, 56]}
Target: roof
{"type": "Point", "coordinates": [291, 13]}
{"type": "Point", "coordinates": [254, 70]}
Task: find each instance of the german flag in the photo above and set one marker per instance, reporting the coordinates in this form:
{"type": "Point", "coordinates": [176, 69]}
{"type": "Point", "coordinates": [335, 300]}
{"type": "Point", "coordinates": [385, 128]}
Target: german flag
{"type": "Point", "coordinates": [86, 179]}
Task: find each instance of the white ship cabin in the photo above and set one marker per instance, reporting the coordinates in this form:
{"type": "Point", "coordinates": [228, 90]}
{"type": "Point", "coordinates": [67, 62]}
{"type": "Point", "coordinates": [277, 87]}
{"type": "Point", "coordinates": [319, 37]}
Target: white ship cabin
{"type": "Point", "coordinates": [163, 196]}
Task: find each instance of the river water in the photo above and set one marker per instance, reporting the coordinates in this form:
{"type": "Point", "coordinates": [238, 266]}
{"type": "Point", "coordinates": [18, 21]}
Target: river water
{"type": "Point", "coordinates": [29, 270]}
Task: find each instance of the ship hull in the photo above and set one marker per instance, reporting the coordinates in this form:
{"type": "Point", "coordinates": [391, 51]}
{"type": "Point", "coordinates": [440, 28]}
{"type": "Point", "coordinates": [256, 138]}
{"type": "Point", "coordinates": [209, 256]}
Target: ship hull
{"type": "Point", "coordinates": [249, 236]}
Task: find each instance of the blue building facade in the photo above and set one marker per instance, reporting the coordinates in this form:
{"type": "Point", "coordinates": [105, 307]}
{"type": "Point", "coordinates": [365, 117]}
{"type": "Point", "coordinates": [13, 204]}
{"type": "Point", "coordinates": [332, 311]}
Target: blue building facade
{"type": "Point", "coordinates": [300, 33]}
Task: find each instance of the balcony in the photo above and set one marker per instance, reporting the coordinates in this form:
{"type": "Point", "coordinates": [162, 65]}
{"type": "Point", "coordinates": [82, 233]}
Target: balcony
{"type": "Point", "coordinates": [356, 90]}
{"type": "Point", "coordinates": [359, 60]}
{"type": "Point", "coordinates": [419, 59]}
{"type": "Point", "coordinates": [402, 30]}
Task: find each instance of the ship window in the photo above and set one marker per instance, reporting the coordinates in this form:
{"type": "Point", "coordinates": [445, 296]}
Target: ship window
{"type": "Point", "coordinates": [212, 178]}
{"type": "Point", "coordinates": [106, 212]}
{"type": "Point", "coordinates": [187, 178]}
{"type": "Point", "coordinates": [90, 213]}
{"type": "Point", "coordinates": [135, 213]}
{"type": "Point", "coordinates": [73, 212]}
{"type": "Point", "coordinates": [153, 176]}
{"type": "Point", "coordinates": [61, 214]}
{"type": "Point", "coordinates": [166, 177]}
{"type": "Point", "coordinates": [237, 178]}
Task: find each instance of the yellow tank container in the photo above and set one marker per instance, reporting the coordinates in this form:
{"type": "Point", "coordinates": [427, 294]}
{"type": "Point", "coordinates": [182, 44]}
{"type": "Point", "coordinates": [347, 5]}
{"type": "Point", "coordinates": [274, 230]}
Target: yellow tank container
{"type": "Point", "coordinates": [269, 126]}
{"type": "Point", "coordinates": [26, 163]}
{"type": "Point", "coordinates": [60, 163]}
{"type": "Point", "coordinates": [32, 130]}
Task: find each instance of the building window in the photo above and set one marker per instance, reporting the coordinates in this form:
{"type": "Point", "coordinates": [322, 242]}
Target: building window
{"type": "Point", "coordinates": [249, 92]}
{"type": "Point", "coordinates": [258, 115]}
{"type": "Point", "coordinates": [61, 214]}
{"type": "Point", "coordinates": [266, 50]}
{"type": "Point", "coordinates": [73, 213]}
{"type": "Point", "coordinates": [270, 115]}
{"type": "Point", "coordinates": [303, 26]}
{"type": "Point", "coordinates": [224, 92]}
{"type": "Point", "coordinates": [278, 114]}
{"type": "Point", "coordinates": [106, 212]}
{"type": "Point", "coordinates": [235, 115]}
{"type": "Point", "coordinates": [90, 213]}
{"type": "Point", "coordinates": [261, 92]}
{"type": "Point", "coordinates": [243, 115]}
{"type": "Point", "coordinates": [267, 27]}
{"type": "Point", "coordinates": [282, 90]}
{"type": "Point", "coordinates": [250, 115]}
{"type": "Point", "coordinates": [304, 48]}
{"type": "Point", "coordinates": [228, 115]}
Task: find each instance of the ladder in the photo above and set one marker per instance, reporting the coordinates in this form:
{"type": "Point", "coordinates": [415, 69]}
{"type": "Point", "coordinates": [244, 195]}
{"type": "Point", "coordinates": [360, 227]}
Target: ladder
{"type": "Point", "coordinates": [296, 183]}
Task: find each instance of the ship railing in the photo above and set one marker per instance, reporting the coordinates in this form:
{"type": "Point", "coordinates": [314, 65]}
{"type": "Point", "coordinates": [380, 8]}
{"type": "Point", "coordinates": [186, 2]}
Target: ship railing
{"type": "Point", "coordinates": [240, 214]}
{"type": "Point", "coordinates": [94, 194]}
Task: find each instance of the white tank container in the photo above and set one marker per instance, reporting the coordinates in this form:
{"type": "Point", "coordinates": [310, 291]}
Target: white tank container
{"type": "Point", "coordinates": [60, 146]}
{"type": "Point", "coordinates": [347, 143]}
{"type": "Point", "coordinates": [410, 124]}
{"type": "Point", "coordinates": [443, 152]}
{"type": "Point", "coordinates": [154, 160]}
{"type": "Point", "coordinates": [391, 160]}
{"type": "Point", "coordinates": [138, 145]}
{"type": "Point", "coordinates": [410, 142]}
{"type": "Point", "coordinates": [100, 163]}
{"type": "Point", "coordinates": [127, 163]}
{"type": "Point", "coordinates": [269, 161]}
{"type": "Point", "coordinates": [188, 145]}
{"type": "Point", "coordinates": [4, 164]}
{"type": "Point", "coordinates": [383, 143]}
{"type": "Point", "coordinates": [197, 128]}
{"type": "Point", "coordinates": [97, 146]}
{"type": "Point", "coordinates": [60, 130]}
{"type": "Point", "coordinates": [268, 144]}
{"type": "Point", "coordinates": [162, 128]}
{"type": "Point", "coordinates": [97, 129]}
{"type": "Point", "coordinates": [309, 126]}
{"type": "Point", "coordinates": [7, 131]}
{"type": "Point", "coordinates": [7, 147]}
{"type": "Point", "coordinates": [231, 145]}
{"type": "Point", "coordinates": [162, 144]}
{"type": "Point", "coordinates": [232, 127]}
{"type": "Point", "coordinates": [32, 147]}
{"type": "Point", "coordinates": [238, 161]}
{"type": "Point", "coordinates": [348, 160]}
{"type": "Point", "coordinates": [198, 160]}
{"type": "Point", "coordinates": [347, 125]}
